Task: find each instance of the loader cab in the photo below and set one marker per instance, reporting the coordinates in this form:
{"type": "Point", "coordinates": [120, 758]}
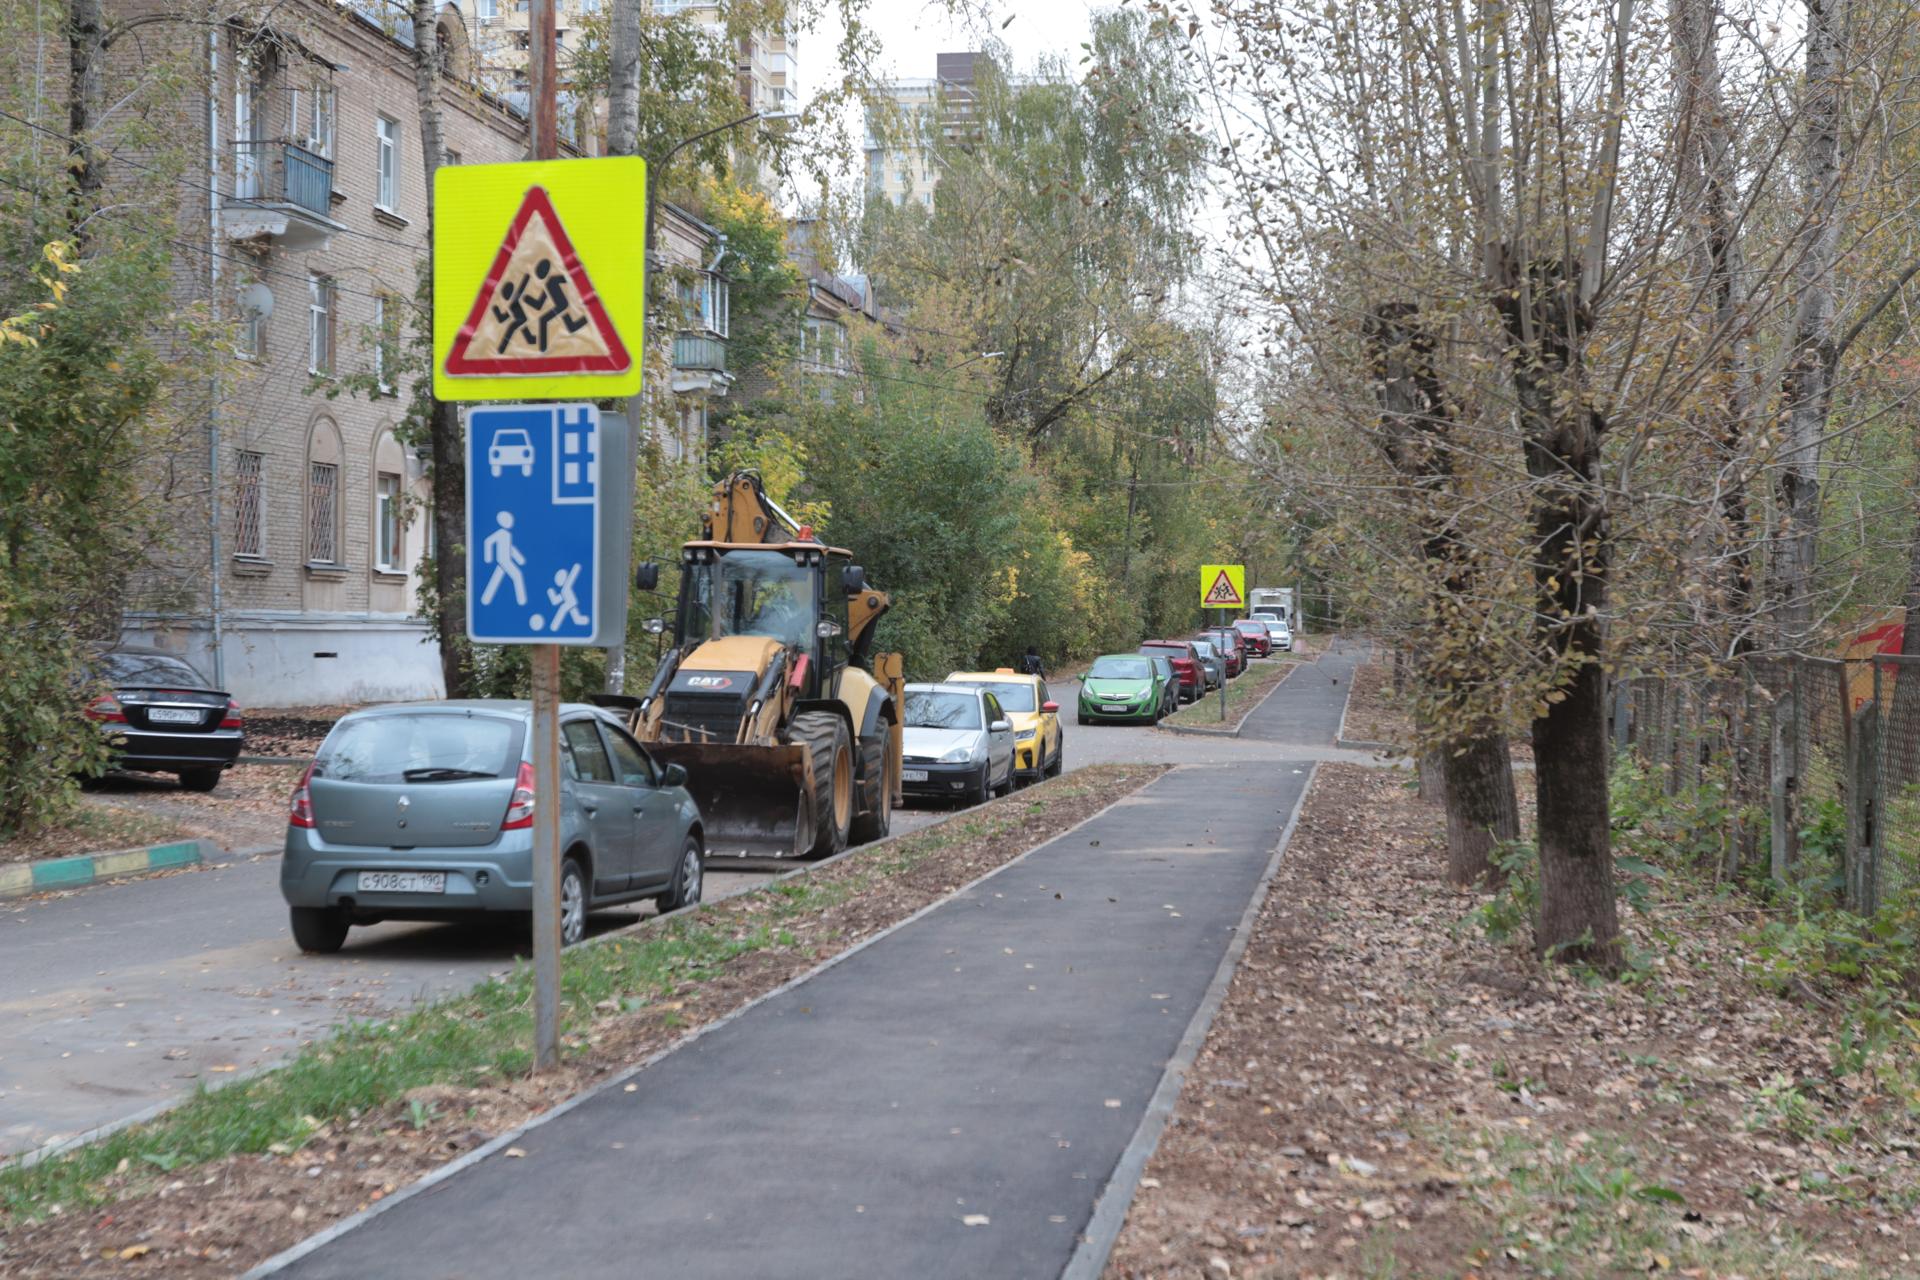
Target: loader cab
{"type": "Point", "coordinates": [785, 592]}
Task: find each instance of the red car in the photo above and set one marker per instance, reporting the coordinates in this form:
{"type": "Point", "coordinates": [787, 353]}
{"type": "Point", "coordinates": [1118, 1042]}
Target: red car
{"type": "Point", "coordinates": [1186, 664]}
{"type": "Point", "coordinates": [1232, 646]}
{"type": "Point", "coordinates": [1257, 638]}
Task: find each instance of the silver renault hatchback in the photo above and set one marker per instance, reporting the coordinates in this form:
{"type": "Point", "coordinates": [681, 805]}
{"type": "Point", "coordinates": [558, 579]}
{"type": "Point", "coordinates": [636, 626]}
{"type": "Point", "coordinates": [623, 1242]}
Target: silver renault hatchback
{"type": "Point", "coordinates": [424, 811]}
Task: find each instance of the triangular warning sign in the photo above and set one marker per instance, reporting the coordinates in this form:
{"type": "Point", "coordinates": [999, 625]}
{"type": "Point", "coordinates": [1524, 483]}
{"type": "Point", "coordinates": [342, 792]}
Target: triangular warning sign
{"type": "Point", "coordinates": [537, 312]}
{"type": "Point", "coordinates": [1221, 595]}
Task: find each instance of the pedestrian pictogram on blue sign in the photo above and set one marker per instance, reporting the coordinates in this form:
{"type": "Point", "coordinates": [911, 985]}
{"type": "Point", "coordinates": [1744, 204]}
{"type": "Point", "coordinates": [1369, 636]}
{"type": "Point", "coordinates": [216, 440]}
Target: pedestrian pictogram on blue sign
{"type": "Point", "coordinates": [535, 566]}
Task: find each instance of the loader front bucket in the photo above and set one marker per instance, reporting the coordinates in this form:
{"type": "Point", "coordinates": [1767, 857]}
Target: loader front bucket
{"type": "Point", "coordinates": [753, 799]}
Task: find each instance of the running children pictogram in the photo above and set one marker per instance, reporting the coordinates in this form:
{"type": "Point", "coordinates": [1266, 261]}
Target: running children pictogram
{"type": "Point", "coordinates": [537, 311]}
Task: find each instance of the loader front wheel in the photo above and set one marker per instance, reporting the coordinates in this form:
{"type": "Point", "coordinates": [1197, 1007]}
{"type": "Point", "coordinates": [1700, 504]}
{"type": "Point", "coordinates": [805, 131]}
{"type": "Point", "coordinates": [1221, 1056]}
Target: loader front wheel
{"type": "Point", "coordinates": [832, 802]}
{"type": "Point", "coordinates": [876, 790]}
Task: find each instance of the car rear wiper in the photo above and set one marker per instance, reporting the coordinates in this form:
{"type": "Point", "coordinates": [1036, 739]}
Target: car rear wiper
{"type": "Point", "coordinates": [440, 774]}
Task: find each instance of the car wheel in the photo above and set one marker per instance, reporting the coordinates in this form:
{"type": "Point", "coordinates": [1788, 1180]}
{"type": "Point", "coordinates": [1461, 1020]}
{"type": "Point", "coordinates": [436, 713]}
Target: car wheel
{"type": "Point", "coordinates": [689, 877]}
{"type": "Point", "coordinates": [526, 470]}
{"type": "Point", "coordinates": [199, 779]}
{"type": "Point", "coordinates": [318, 930]}
{"type": "Point", "coordinates": [982, 791]}
{"type": "Point", "coordinates": [573, 902]}
{"type": "Point", "coordinates": [1059, 759]}
{"type": "Point", "coordinates": [494, 470]}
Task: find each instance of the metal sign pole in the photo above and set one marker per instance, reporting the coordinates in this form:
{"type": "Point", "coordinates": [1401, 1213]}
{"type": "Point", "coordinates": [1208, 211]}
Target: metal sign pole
{"type": "Point", "coordinates": [543, 56]}
{"type": "Point", "coordinates": [1223, 674]}
{"type": "Point", "coordinates": [546, 856]}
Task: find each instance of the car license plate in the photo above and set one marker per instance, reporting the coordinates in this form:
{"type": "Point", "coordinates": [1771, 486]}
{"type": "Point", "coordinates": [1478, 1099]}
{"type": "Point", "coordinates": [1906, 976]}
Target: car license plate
{"type": "Point", "coordinates": [1114, 706]}
{"type": "Point", "coordinates": [913, 775]}
{"type": "Point", "coordinates": [173, 715]}
{"type": "Point", "coordinates": [403, 882]}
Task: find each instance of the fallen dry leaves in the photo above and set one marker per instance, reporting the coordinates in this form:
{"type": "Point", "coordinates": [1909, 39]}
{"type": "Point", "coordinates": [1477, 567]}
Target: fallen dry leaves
{"type": "Point", "coordinates": [1386, 1092]}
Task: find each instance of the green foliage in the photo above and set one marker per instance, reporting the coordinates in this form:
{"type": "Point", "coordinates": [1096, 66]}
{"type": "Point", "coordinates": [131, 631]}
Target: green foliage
{"type": "Point", "coordinates": [1510, 913]}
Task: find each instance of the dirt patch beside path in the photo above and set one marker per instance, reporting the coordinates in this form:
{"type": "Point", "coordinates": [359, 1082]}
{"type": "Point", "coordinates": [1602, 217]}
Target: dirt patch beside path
{"type": "Point", "coordinates": [1387, 1093]}
{"type": "Point", "coordinates": [1373, 714]}
{"type": "Point", "coordinates": [229, 1180]}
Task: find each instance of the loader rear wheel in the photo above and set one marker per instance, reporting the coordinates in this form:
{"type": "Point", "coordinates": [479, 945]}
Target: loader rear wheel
{"type": "Point", "coordinates": [832, 803]}
{"type": "Point", "coordinates": [876, 790]}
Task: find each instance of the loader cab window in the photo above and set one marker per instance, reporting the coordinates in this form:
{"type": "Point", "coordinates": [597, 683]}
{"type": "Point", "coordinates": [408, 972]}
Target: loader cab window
{"type": "Point", "coordinates": [749, 593]}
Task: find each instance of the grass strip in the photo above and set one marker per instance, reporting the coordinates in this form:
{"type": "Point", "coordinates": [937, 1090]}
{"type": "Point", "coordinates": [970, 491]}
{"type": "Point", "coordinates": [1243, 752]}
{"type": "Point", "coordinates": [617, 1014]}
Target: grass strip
{"type": "Point", "coordinates": [485, 1034]}
{"type": "Point", "coordinates": [1242, 695]}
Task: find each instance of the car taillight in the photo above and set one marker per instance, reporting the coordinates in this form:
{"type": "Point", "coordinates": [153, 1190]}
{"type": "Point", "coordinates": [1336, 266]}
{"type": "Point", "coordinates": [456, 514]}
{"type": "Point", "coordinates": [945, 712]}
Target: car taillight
{"type": "Point", "coordinates": [106, 708]}
{"type": "Point", "coordinates": [300, 807]}
{"type": "Point", "coordinates": [520, 808]}
{"type": "Point", "coordinates": [231, 720]}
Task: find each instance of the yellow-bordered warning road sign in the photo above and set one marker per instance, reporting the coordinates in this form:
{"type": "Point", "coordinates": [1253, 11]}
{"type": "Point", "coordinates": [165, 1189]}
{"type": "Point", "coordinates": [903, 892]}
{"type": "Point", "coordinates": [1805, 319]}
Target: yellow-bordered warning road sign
{"type": "Point", "coordinates": [1223, 586]}
{"type": "Point", "coordinates": [539, 279]}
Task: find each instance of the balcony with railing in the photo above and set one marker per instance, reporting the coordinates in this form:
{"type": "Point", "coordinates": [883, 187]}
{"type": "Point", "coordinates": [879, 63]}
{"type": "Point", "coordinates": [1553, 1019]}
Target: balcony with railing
{"type": "Point", "coordinates": [282, 191]}
{"type": "Point", "coordinates": [699, 352]}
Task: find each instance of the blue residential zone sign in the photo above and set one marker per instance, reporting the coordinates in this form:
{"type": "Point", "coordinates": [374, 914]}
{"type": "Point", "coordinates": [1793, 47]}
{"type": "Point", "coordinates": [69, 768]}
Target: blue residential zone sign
{"type": "Point", "coordinates": [535, 563]}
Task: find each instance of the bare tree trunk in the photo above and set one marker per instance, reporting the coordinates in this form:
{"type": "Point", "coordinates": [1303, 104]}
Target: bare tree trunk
{"type": "Point", "coordinates": [1482, 810]}
{"type": "Point", "coordinates": [623, 139]}
{"type": "Point", "coordinates": [86, 44]}
{"type": "Point", "coordinates": [623, 79]}
{"type": "Point", "coordinates": [1808, 385]}
{"type": "Point", "coordinates": [1547, 321]}
{"type": "Point", "coordinates": [1464, 762]}
{"type": "Point", "coordinates": [1709, 185]}
{"type": "Point", "coordinates": [1902, 762]}
{"type": "Point", "coordinates": [448, 477]}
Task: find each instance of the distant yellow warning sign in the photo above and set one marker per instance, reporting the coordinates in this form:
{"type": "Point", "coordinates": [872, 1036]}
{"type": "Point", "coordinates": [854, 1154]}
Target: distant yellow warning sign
{"type": "Point", "coordinates": [539, 279]}
{"type": "Point", "coordinates": [1223, 586]}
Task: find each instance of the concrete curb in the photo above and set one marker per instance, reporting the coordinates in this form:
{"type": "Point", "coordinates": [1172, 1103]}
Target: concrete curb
{"type": "Point", "coordinates": [1195, 731]}
{"type": "Point", "coordinates": [18, 879]}
{"type": "Point", "coordinates": [293, 1253]}
{"type": "Point", "coordinates": [1347, 744]}
{"type": "Point", "coordinates": [1089, 1259]}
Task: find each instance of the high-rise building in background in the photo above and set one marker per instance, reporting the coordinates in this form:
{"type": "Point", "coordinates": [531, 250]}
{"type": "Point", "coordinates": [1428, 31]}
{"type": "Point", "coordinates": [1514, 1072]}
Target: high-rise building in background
{"type": "Point", "coordinates": [902, 164]}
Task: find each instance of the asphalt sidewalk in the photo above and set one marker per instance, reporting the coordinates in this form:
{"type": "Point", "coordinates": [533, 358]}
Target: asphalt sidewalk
{"type": "Point", "coordinates": [949, 1101]}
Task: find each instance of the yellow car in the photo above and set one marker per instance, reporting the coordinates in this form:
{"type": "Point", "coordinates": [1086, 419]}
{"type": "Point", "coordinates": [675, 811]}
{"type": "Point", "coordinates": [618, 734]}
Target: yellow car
{"type": "Point", "coordinates": [1039, 747]}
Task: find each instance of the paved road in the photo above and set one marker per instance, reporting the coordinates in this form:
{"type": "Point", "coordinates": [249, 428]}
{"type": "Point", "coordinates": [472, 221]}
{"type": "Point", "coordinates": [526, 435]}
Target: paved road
{"type": "Point", "coordinates": [123, 996]}
{"type": "Point", "coordinates": [950, 1101]}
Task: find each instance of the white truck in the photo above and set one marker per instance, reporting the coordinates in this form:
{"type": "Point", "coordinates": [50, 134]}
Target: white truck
{"type": "Point", "coordinates": [1276, 601]}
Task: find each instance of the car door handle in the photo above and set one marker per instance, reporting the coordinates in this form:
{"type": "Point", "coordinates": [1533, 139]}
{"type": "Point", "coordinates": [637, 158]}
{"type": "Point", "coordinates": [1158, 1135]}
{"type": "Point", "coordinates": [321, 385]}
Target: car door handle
{"type": "Point", "coordinates": [592, 810]}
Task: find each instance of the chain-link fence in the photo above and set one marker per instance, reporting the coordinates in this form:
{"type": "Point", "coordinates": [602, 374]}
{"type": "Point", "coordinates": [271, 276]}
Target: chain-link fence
{"type": "Point", "coordinates": [1805, 766]}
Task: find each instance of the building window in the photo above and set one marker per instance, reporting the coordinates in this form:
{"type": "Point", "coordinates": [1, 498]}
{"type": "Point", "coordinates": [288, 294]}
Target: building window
{"type": "Point", "coordinates": [323, 513]}
{"type": "Point", "coordinates": [384, 338]}
{"type": "Point", "coordinates": [387, 195]}
{"type": "Point", "coordinates": [248, 536]}
{"type": "Point", "coordinates": [311, 111]}
{"type": "Point", "coordinates": [824, 346]}
{"type": "Point", "coordinates": [453, 157]}
{"type": "Point", "coordinates": [386, 502]}
{"type": "Point", "coordinates": [319, 324]}
{"type": "Point", "coordinates": [714, 303]}
{"type": "Point", "coordinates": [488, 11]}
{"type": "Point", "coordinates": [252, 337]}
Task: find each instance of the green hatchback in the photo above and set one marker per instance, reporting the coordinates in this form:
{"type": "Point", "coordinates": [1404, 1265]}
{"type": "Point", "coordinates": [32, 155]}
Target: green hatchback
{"type": "Point", "coordinates": [1123, 687]}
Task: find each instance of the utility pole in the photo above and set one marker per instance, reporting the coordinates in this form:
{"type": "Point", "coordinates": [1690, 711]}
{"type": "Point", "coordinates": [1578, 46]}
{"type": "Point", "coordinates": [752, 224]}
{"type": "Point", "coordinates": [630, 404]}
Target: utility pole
{"type": "Point", "coordinates": [543, 58]}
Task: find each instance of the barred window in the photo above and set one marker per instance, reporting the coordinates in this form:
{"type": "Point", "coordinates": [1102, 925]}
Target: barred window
{"type": "Point", "coordinates": [323, 511]}
{"type": "Point", "coordinates": [248, 536]}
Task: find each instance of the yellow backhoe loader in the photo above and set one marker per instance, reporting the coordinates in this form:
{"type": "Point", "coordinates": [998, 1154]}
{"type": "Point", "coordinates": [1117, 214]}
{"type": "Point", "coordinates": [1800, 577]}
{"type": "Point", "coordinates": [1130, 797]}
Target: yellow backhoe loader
{"type": "Point", "coordinates": [787, 724]}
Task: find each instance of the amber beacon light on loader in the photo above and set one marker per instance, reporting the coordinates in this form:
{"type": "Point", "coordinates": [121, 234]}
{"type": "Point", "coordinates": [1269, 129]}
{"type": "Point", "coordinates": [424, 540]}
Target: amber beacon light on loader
{"type": "Point", "coordinates": [786, 722]}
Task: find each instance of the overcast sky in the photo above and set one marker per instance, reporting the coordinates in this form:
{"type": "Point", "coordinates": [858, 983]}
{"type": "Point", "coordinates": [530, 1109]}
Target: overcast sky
{"type": "Point", "coordinates": [911, 32]}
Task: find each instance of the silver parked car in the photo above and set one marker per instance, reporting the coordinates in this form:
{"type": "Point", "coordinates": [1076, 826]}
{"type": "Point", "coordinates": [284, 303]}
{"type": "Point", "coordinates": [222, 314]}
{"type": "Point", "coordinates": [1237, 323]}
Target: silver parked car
{"type": "Point", "coordinates": [957, 742]}
{"type": "Point", "coordinates": [424, 811]}
{"type": "Point", "coordinates": [1278, 630]}
{"type": "Point", "coordinates": [1211, 662]}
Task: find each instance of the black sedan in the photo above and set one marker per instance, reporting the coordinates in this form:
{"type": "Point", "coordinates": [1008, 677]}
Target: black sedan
{"type": "Point", "coordinates": [165, 717]}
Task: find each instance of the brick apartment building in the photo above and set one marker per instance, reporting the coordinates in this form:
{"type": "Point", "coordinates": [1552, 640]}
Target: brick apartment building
{"type": "Point", "coordinates": [300, 519]}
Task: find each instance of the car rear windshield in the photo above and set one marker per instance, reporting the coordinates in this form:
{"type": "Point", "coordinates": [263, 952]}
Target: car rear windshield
{"type": "Point", "coordinates": [1120, 669]}
{"type": "Point", "coordinates": [942, 710]}
{"type": "Point", "coordinates": [1171, 648]}
{"type": "Point", "coordinates": [1205, 647]}
{"type": "Point", "coordinates": [427, 747]}
{"type": "Point", "coordinates": [148, 669]}
{"type": "Point", "coordinates": [1013, 695]}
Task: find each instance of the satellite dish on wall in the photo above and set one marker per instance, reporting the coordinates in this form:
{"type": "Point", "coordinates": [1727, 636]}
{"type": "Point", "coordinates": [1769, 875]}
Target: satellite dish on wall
{"type": "Point", "coordinates": [257, 299]}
